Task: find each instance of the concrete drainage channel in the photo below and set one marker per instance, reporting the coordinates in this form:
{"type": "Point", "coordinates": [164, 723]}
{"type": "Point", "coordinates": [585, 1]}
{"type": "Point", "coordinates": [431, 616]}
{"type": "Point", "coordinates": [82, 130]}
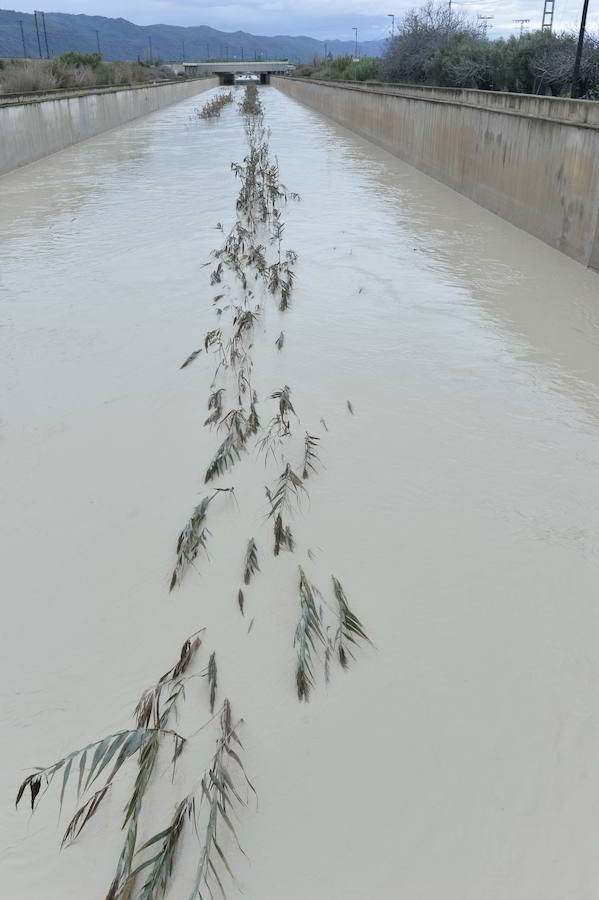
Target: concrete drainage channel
{"type": "Point", "coordinates": [36, 125]}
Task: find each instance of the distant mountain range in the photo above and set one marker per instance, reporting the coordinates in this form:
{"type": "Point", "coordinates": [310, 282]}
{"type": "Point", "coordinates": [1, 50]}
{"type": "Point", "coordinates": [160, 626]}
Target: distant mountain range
{"type": "Point", "coordinates": [120, 39]}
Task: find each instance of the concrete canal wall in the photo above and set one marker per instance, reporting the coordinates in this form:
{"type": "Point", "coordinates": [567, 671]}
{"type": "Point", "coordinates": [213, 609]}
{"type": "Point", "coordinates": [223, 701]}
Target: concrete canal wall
{"type": "Point", "coordinates": [33, 128]}
{"type": "Point", "coordinates": [532, 160]}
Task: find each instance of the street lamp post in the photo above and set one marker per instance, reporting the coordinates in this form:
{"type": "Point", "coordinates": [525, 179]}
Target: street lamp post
{"type": "Point", "coordinates": [576, 72]}
{"type": "Point", "coordinates": [392, 17]}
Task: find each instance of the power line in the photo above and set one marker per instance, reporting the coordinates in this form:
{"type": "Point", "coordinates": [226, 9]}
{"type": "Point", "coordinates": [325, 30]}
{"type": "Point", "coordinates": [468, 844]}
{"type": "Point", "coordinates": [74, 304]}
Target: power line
{"type": "Point", "coordinates": [521, 23]}
{"type": "Point", "coordinates": [37, 31]}
{"type": "Point", "coordinates": [45, 35]}
{"type": "Point", "coordinates": [23, 39]}
{"type": "Point", "coordinates": [485, 21]}
{"type": "Point", "coordinates": [576, 72]}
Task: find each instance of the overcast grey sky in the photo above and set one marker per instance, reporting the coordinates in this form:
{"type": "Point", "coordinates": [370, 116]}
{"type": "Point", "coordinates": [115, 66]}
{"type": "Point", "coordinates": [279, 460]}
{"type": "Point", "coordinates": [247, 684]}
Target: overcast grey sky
{"type": "Point", "coordinates": [317, 18]}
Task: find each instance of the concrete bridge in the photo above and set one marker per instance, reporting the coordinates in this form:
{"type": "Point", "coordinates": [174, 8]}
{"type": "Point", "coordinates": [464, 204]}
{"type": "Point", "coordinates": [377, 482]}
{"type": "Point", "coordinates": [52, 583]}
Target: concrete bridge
{"type": "Point", "coordinates": [227, 71]}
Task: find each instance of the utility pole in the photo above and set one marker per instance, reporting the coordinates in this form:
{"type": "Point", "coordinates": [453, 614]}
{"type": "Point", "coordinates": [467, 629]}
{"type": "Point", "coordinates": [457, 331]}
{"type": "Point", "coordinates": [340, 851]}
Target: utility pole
{"type": "Point", "coordinates": [98, 41]}
{"type": "Point", "coordinates": [392, 17]}
{"type": "Point", "coordinates": [485, 21]}
{"type": "Point", "coordinates": [45, 35]}
{"type": "Point", "coordinates": [23, 39]}
{"type": "Point", "coordinates": [151, 51]}
{"type": "Point", "coordinates": [183, 49]}
{"type": "Point", "coordinates": [521, 23]}
{"type": "Point", "coordinates": [576, 72]}
{"type": "Point", "coordinates": [356, 53]}
{"type": "Point", "coordinates": [547, 23]}
{"type": "Point", "coordinates": [37, 31]}
{"type": "Point", "coordinates": [325, 51]}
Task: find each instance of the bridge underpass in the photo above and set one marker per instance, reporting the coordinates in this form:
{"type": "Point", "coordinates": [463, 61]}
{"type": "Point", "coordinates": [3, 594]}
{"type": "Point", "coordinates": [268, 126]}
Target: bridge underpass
{"type": "Point", "coordinates": [228, 71]}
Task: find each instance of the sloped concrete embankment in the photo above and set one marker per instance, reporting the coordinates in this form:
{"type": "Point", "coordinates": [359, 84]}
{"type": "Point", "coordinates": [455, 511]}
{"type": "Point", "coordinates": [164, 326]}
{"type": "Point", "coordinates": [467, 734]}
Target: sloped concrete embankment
{"type": "Point", "coordinates": [33, 129]}
{"type": "Point", "coordinates": [532, 160]}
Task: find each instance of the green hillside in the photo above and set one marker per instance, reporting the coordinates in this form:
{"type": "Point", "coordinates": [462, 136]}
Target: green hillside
{"type": "Point", "coordinates": [120, 39]}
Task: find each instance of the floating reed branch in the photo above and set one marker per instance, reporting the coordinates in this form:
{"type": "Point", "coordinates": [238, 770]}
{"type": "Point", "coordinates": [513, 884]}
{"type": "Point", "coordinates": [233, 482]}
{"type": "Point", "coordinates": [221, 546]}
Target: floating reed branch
{"type": "Point", "coordinates": [212, 108]}
{"type": "Point", "coordinates": [215, 403]}
{"type": "Point", "coordinates": [308, 635]}
{"type": "Point", "coordinates": [162, 864]}
{"type": "Point", "coordinates": [250, 104]}
{"type": "Point", "coordinates": [191, 358]}
{"type": "Point", "coordinates": [156, 709]}
{"type": "Point", "coordinates": [217, 792]}
{"type": "Point", "coordinates": [311, 458]}
{"type": "Point", "coordinates": [212, 680]}
{"type": "Point", "coordinates": [350, 630]}
{"type": "Point", "coordinates": [193, 537]}
{"type": "Point", "coordinates": [230, 450]}
{"type": "Point", "coordinates": [253, 418]}
{"type": "Point", "coordinates": [250, 563]}
{"type": "Point", "coordinates": [120, 746]}
{"type": "Point", "coordinates": [242, 265]}
{"type": "Point", "coordinates": [288, 492]}
{"type": "Point", "coordinates": [221, 796]}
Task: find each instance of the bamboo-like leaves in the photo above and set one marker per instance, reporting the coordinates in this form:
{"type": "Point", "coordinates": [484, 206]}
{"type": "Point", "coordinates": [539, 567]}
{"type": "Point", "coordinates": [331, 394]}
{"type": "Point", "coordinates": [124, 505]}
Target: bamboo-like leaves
{"type": "Point", "coordinates": [310, 454]}
{"type": "Point", "coordinates": [253, 423]}
{"type": "Point", "coordinates": [285, 404]}
{"type": "Point", "coordinates": [156, 705]}
{"type": "Point", "coordinates": [212, 680]}
{"type": "Point", "coordinates": [215, 404]}
{"type": "Point", "coordinates": [250, 563]}
{"type": "Point", "coordinates": [288, 492]}
{"type": "Point", "coordinates": [283, 536]}
{"type": "Point", "coordinates": [83, 815]}
{"type": "Point", "coordinates": [150, 707]}
{"type": "Point", "coordinates": [191, 540]}
{"type": "Point", "coordinates": [349, 630]}
{"type": "Point", "coordinates": [307, 635]}
{"type": "Point", "coordinates": [228, 453]}
{"type": "Point", "coordinates": [220, 795]}
{"type": "Point", "coordinates": [122, 745]}
{"type": "Point", "coordinates": [191, 358]}
{"type": "Point", "coordinates": [162, 863]}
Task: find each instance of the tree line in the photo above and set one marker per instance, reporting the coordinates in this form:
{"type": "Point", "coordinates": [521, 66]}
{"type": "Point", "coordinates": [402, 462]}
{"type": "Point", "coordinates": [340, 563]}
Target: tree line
{"type": "Point", "coordinates": [439, 46]}
{"type": "Point", "coordinates": [436, 45]}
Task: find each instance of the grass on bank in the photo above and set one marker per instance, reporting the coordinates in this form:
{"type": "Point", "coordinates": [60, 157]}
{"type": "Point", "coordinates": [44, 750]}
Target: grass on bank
{"type": "Point", "coordinates": [342, 68]}
{"type": "Point", "coordinates": [75, 70]}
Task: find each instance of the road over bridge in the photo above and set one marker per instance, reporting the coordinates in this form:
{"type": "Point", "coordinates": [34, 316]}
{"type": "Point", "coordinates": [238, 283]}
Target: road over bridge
{"type": "Point", "coordinates": [227, 71]}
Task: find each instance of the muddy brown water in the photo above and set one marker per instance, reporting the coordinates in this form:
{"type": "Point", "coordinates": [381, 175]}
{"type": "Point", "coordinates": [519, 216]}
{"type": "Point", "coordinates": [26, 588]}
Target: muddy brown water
{"type": "Point", "coordinates": [459, 760]}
